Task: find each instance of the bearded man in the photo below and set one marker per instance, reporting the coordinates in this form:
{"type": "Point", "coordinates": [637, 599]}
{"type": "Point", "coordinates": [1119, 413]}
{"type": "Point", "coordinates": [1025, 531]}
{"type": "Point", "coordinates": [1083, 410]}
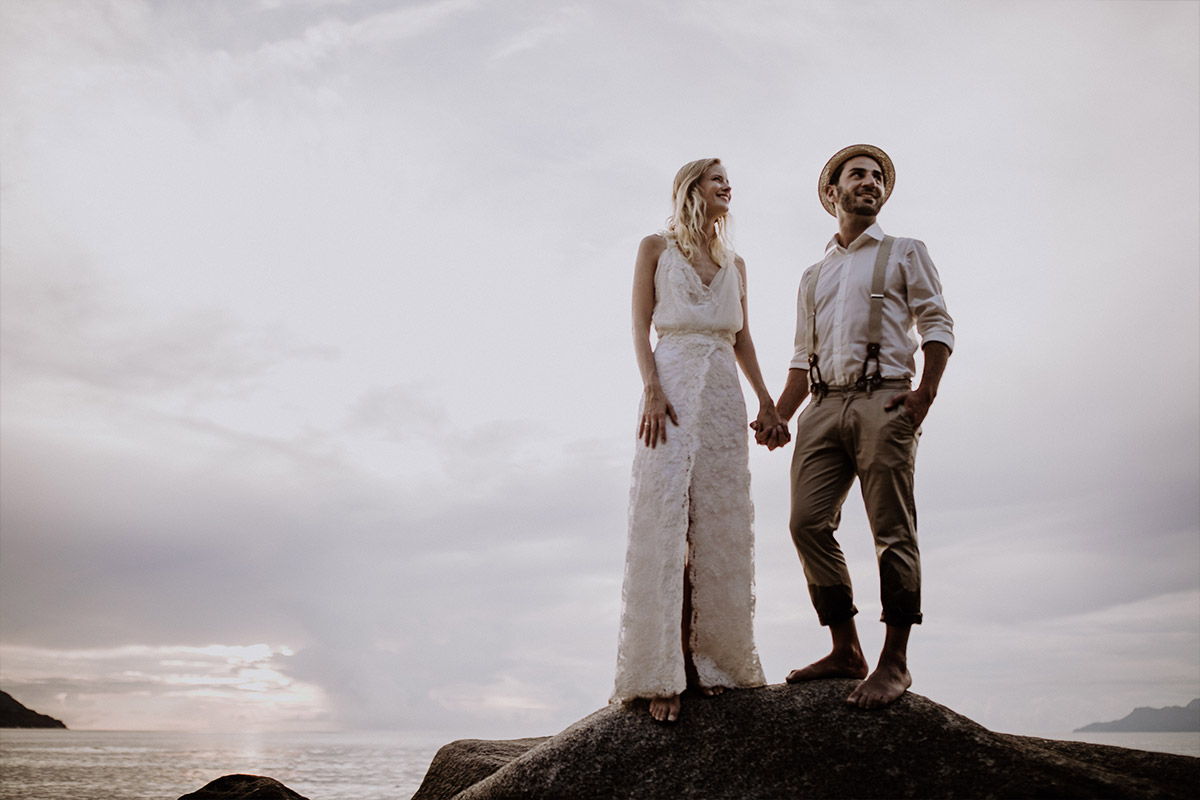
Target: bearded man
{"type": "Point", "coordinates": [855, 357]}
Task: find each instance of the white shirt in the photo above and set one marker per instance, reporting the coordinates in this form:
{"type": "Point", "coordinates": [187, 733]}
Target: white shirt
{"type": "Point", "coordinates": [912, 296]}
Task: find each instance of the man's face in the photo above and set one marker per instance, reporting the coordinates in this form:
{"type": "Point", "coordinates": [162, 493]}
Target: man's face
{"type": "Point", "coordinates": [859, 190]}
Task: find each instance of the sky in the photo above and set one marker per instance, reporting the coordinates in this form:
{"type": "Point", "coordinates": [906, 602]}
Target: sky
{"type": "Point", "coordinates": [317, 393]}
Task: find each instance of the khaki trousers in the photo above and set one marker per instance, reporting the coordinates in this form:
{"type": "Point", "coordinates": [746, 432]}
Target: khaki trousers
{"type": "Point", "coordinates": [849, 435]}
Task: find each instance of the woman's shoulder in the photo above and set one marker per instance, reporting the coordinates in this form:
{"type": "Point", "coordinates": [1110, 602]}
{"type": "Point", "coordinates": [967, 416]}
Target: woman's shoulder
{"type": "Point", "coordinates": [739, 264]}
{"type": "Point", "coordinates": [653, 245]}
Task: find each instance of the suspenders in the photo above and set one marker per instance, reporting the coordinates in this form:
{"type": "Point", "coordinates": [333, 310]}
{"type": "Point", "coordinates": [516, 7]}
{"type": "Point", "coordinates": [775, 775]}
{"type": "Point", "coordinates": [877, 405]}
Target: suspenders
{"type": "Point", "coordinates": [817, 385]}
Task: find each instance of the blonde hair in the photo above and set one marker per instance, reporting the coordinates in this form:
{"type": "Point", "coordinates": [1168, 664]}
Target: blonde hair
{"type": "Point", "coordinates": [686, 224]}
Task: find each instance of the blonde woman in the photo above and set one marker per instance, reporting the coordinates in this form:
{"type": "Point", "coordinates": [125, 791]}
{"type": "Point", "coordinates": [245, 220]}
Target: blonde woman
{"type": "Point", "coordinates": [688, 597]}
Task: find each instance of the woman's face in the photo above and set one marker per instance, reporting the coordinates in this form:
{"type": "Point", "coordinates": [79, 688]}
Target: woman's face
{"type": "Point", "coordinates": [715, 189]}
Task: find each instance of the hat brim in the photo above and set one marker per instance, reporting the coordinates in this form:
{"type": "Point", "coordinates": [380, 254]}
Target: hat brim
{"type": "Point", "coordinates": [844, 155]}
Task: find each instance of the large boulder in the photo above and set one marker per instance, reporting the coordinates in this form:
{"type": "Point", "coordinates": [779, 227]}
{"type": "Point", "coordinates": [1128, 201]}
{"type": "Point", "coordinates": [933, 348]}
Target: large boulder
{"type": "Point", "coordinates": [796, 742]}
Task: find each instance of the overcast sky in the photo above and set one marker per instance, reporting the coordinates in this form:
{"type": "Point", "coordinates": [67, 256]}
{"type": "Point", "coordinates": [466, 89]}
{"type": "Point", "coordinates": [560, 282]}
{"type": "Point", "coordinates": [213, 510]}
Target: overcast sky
{"type": "Point", "coordinates": [318, 391]}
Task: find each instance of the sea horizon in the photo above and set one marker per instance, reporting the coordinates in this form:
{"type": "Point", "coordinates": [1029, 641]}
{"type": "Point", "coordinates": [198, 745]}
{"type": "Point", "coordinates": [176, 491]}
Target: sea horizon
{"type": "Point", "coordinates": [90, 764]}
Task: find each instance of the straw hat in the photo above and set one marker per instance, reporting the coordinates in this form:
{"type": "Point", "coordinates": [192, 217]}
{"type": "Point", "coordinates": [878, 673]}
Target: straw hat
{"type": "Point", "coordinates": [844, 155]}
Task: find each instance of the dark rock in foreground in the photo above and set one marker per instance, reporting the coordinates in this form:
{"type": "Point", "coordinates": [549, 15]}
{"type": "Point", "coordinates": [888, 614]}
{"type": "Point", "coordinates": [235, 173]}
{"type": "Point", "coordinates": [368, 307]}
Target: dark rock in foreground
{"type": "Point", "coordinates": [1171, 718]}
{"type": "Point", "coordinates": [244, 787]}
{"type": "Point", "coordinates": [796, 742]}
{"type": "Point", "coordinates": [15, 715]}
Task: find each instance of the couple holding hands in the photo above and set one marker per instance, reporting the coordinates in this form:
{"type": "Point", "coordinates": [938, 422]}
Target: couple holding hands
{"type": "Point", "coordinates": [688, 594]}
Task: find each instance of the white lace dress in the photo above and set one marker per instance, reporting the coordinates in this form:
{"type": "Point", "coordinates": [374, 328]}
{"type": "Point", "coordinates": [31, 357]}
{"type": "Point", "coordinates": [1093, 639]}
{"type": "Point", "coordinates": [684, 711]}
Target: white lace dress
{"type": "Point", "coordinates": [689, 501]}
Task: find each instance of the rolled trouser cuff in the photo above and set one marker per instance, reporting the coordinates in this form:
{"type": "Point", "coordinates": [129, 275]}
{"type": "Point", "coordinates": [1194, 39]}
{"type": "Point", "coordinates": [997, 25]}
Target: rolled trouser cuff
{"type": "Point", "coordinates": [900, 586]}
{"type": "Point", "coordinates": [901, 620]}
{"type": "Point", "coordinates": [901, 607]}
{"type": "Point", "coordinates": [834, 604]}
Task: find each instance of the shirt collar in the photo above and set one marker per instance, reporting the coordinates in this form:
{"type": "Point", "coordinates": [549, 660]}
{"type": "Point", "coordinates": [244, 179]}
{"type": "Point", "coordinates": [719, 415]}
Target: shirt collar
{"type": "Point", "coordinates": [870, 235]}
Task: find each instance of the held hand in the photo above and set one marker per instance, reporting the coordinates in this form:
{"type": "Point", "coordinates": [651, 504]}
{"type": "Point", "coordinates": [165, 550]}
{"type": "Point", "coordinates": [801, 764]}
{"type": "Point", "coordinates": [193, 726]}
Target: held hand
{"type": "Point", "coordinates": [657, 410]}
{"type": "Point", "coordinates": [774, 437]}
{"type": "Point", "coordinates": [770, 429]}
{"type": "Point", "coordinates": [916, 402]}
{"type": "Point", "coordinates": [768, 419]}
{"type": "Point", "coordinates": [779, 437]}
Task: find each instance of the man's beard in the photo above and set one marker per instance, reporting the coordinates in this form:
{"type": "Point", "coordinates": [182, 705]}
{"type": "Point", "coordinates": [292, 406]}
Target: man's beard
{"type": "Point", "coordinates": [853, 204]}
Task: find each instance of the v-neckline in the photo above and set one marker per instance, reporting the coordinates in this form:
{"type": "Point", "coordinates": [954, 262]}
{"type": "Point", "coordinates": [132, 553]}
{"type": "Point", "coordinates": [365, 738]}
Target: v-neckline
{"type": "Point", "coordinates": [692, 267]}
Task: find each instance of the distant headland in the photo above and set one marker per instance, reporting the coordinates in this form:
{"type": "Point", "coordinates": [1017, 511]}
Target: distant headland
{"type": "Point", "coordinates": [15, 715]}
{"type": "Point", "coordinates": [1152, 720]}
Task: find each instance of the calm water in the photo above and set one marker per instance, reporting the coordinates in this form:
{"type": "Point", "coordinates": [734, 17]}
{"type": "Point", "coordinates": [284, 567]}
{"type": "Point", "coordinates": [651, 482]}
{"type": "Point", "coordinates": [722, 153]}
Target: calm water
{"type": "Point", "coordinates": [106, 765]}
{"type": "Point", "coordinates": [1183, 743]}
{"type": "Point", "coordinates": [123, 765]}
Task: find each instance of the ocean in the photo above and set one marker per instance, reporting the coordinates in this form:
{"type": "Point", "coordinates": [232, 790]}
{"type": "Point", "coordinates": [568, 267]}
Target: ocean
{"type": "Point", "coordinates": [126, 765]}
{"type": "Point", "coordinates": [1182, 743]}
{"type": "Point", "coordinates": [129, 765]}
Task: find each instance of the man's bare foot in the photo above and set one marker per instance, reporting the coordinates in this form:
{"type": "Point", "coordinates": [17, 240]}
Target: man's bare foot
{"type": "Point", "coordinates": [665, 709]}
{"type": "Point", "coordinates": [886, 683]}
{"type": "Point", "coordinates": [712, 691]}
{"type": "Point", "coordinates": [834, 665]}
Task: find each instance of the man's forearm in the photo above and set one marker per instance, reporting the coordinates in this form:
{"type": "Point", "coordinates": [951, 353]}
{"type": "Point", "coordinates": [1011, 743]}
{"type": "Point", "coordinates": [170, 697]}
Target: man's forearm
{"type": "Point", "coordinates": [793, 394]}
{"type": "Point", "coordinates": [936, 355]}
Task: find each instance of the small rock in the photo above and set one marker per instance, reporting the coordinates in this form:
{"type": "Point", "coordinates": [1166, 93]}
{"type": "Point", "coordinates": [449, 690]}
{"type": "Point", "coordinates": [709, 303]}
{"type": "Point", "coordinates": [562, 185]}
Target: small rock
{"type": "Point", "coordinates": [244, 787]}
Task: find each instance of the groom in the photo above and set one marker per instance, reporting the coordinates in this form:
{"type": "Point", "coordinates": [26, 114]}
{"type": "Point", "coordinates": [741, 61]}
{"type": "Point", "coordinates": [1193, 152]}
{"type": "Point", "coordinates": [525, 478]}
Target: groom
{"type": "Point", "coordinates": [855, 357]}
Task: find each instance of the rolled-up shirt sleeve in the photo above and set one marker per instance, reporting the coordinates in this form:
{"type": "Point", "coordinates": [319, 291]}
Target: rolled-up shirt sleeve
{"type": "Point", "coordinates": [925, 300]}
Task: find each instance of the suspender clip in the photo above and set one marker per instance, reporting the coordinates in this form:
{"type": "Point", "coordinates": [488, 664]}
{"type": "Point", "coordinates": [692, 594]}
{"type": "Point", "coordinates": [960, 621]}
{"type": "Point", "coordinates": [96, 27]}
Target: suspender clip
{"type": "Point", "coordinates": [816, 384]}
{"type": "Point", "coordinates": [870, 382]}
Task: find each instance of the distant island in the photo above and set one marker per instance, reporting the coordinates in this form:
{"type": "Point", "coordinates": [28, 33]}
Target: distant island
{"type": "Point", "coordinates": [1148, 720]}
{"type": "Point", "coordinates": [15, 715]}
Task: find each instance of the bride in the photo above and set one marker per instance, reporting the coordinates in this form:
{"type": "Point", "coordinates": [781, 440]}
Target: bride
{"type": "Point", "coordinates": [688, 597]}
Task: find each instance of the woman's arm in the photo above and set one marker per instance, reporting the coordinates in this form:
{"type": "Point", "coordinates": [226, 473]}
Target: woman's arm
{"type": "Point", "coordinates": [743, 347]}
{"type": "Point", "coordinates": [652, 428]}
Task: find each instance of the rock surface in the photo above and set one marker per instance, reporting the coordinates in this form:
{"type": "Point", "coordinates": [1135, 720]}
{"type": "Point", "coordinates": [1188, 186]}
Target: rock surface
{"type": "Point", "coordinates": [795, 742]}
{"type": "Point", "coordinates": [15, 715]}
{"type": "Point", "coordinates": [1171, 718]}
{"type": "Point", "coordinates": [244, 787]}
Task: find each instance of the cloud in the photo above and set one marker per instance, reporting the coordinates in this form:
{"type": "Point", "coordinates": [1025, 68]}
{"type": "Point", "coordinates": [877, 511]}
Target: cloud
{"type": "Point", "coordinates": [164, 688]}
{"type": "Point", "coordinates": [525, 40]}
{"type": "Point", "coordinates": [1031, 668]}
{"type": "Point", "coordinates": [333, 35]}
{"type": "Point", "coordinates": [78, 331]}
{"type": "Point", "coordinates": [386, 592]}
{"type": "Point", "coordinates": [315, 334]}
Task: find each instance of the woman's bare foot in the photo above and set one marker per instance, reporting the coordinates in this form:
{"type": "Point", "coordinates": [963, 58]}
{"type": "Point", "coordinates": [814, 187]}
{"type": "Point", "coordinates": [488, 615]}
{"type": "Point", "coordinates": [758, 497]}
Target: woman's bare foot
{"type": "Point", "coordinates": [712, 691]}
{"type": "Point", "coordinates": [834, 665]}
{"type": "Point", "coordinates": [886, 683]}
{"type": "Point", "coordinates": [665, 709]}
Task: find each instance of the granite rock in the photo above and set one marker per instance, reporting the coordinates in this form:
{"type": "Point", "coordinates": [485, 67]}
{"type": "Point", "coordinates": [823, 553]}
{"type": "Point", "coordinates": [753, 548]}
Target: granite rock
{"type": "Point", "coordinates": [798, 741]}
{"type": "Point", "coordinates": [244, 787]}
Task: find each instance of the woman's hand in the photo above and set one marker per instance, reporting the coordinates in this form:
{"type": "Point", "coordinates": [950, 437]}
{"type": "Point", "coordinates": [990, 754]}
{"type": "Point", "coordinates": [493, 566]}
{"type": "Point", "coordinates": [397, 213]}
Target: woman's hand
{"type": "Point", "coordinates": [769, 428]}
{"type": "Point", "coordinates": [655, 413]}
